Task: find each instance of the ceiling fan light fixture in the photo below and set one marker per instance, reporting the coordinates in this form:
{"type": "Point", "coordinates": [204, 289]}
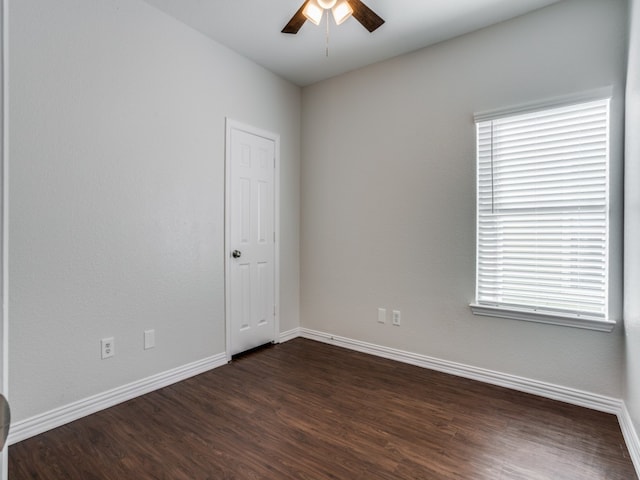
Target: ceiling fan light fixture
{"type": "Point", "coordinates": [327, 4]}
{"type": "Point", "coordinates": [341, 11]}
{"type": "Point", "coordinates": [313, 11]}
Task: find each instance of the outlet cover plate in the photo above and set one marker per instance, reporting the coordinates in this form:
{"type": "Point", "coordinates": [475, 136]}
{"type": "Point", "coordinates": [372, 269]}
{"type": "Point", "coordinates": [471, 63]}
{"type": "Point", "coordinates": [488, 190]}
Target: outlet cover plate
{"type": "Point", "coordinates": [107, 347]}
{"type": "Point", "coordinates": [149, 339]}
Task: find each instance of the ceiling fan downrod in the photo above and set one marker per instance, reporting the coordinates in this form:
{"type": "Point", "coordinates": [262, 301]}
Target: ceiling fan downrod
{"type": "Point", "coordinates": [327, 53]}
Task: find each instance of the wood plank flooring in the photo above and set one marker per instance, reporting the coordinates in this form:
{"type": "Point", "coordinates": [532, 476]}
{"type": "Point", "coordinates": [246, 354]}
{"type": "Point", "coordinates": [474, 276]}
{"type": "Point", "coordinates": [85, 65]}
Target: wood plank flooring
{"type": "Point", "coordinates": [305, 410]}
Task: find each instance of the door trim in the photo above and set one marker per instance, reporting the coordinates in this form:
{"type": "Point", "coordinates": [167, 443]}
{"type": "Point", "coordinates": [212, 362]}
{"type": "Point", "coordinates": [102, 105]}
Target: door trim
{"type": "Point", "coordinates": [235, 125]}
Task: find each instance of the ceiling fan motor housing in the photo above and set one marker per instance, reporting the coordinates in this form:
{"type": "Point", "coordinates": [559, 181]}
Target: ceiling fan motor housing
{"type": "Point", "coordinates": [326, 4]}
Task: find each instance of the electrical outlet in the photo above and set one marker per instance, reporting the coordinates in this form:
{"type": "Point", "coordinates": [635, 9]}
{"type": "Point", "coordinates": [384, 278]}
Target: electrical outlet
{"type": "Point", "coordinates": [108, 347]}
{"type": "Point", "coordinates": [149, 339]}
{"type": "Point", "coordinates": [396, 318]}
{"type": "Point", "coordinates": [382, 315]}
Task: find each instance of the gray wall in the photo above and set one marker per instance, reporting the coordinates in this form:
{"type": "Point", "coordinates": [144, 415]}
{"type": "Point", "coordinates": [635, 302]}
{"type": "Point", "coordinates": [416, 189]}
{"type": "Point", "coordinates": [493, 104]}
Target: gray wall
{"type": "Point", "coordinates": [388, 185]}
{"type": "Point", "coordinates": [632, 220]}
{"type": "Point", "coordinates": [117, 117]}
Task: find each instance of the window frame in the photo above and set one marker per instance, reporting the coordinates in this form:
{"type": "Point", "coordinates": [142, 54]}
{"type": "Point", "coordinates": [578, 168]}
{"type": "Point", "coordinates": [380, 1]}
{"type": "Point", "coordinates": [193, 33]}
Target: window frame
{"type": "Point", "coordinates": [533, 314]}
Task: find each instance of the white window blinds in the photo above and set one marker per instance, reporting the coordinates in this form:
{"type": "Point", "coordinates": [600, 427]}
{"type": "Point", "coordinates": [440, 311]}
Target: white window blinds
{"type": "Point", "coordinates": [543, 211]}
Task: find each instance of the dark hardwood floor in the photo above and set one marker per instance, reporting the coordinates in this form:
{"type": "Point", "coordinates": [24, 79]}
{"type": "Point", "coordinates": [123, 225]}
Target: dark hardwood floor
{"type": "Point", "coordinates": [305, 410]}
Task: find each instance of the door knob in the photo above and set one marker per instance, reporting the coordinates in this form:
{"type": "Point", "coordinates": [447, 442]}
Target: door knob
{"type": "Point", "coordinates": [236, 254]}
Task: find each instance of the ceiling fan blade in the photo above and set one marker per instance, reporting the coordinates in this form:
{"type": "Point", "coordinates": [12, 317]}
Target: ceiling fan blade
{"type": "Point", "coordinates": [367, 17]}
{"type": "Point", "coordinates": [296, 21]}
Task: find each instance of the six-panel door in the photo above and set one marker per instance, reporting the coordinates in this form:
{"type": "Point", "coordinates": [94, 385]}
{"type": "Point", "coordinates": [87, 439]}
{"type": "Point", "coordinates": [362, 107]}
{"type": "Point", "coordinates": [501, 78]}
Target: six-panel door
{"type": "Point", "coordinates": [251, 249]}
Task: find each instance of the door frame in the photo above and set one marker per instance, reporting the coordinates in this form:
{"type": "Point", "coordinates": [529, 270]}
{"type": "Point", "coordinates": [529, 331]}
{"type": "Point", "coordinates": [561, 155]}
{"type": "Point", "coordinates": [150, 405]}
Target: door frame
{"type": "Point", "coordinates": [236, 125]}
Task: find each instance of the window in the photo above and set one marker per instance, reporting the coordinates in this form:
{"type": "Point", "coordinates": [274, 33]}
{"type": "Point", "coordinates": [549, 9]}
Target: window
{"type": "Point", "coordinates": [542, 215]}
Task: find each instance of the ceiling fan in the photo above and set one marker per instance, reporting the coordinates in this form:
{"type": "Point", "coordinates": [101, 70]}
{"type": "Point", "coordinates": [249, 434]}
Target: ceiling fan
{"type": "Point", "coordinates": [313, 10]}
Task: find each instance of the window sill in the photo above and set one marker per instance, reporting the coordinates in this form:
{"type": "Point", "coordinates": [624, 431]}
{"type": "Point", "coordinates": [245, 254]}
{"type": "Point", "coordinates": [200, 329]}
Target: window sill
{"type": "Point", "coordinates": [589, 323]}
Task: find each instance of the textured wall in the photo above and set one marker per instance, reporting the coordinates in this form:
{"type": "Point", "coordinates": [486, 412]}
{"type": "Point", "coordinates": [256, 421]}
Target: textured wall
{"type": "Point", "coordinates": [388, 192]}
{"type": "Point", "coordinates": [117, 117]}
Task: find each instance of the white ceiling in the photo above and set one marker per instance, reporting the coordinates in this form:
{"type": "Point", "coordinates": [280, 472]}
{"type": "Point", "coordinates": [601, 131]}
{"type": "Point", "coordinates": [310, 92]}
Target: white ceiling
{"type": "Point", "coordinates": [252, 28]}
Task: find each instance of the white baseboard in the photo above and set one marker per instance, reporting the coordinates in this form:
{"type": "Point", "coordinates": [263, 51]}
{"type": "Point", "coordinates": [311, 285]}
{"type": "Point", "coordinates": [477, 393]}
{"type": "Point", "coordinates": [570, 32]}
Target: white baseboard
{"type": "Point", "coordinates": [631, 437]}
{"type": "Point", "coordinates": [68, 413]}
{"type": "Point", "coordinates": [556, 392]}
{"type": "Point", "coordinates": [289, 335]}
{"type": "Point", "coordinates": [41, 423]}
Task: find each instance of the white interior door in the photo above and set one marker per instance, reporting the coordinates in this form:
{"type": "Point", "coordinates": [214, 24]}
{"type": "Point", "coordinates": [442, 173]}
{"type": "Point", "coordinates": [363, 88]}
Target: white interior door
{"type": "Point", "coordinates": [250, 249]}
